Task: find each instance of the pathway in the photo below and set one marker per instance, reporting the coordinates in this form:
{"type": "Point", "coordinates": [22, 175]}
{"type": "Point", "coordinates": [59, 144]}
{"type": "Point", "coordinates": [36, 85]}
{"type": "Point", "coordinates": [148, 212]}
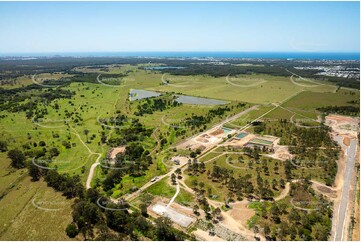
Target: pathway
{"type": "Point", "coordinates": [175, 195]}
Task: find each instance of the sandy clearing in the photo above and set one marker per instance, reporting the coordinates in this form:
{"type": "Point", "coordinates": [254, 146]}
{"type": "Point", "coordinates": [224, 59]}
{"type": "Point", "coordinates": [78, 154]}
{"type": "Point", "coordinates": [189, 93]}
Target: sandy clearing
{"type": "Point", "coordinates": [113, 153]}
{"type": "Point", "coordinates": [204, 236]}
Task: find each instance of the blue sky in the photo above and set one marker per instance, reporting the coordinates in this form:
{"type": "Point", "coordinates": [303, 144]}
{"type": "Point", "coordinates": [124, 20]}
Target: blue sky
{"type": "Point", "coordinates": [179, 26]}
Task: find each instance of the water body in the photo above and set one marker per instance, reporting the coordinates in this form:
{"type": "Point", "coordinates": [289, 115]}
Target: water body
{"type": "Point", "coordinates": [199, 100]}
{"type": "Point", "coordinates": [262, 55]}
{"type": "Point", "coordinates": [136, 94]}
{"type": "Point", "coordinates": [226, 130]}
{"type": "Point", "coordinates": [163, 67]}
{"type": "Point", "coordinates": [242, 135]}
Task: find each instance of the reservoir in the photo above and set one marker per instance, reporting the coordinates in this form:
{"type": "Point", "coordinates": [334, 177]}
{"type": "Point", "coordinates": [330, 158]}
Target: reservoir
{"type": "Point", "coordinates": [136, 94]}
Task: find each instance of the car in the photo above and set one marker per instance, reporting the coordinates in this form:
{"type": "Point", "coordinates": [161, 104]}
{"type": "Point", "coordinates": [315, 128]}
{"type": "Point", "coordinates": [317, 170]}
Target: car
{"type": "Point", "coordinates": [154, 179]}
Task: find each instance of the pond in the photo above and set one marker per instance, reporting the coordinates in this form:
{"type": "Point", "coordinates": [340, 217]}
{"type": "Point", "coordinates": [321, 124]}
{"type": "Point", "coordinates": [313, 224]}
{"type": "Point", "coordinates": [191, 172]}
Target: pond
{"type": "Point", "coordinates": [226, 130]}
{"type": "Point", "coordinates": [199, 100]}
{"type": "Point", "coordinates": [242, 135]}
{"type": "Point", "coordinates": [136, 94]}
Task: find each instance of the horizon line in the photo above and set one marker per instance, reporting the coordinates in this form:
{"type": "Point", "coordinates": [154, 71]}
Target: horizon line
{"type": "Point", "coordinates": [177, 51]}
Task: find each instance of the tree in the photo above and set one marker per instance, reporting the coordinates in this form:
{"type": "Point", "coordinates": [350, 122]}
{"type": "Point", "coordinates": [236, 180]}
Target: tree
{"type": "Point", "coordinates": [274, 184]}
{"type": "Point", "coordinates": [178, 171]}
{"type": "Point", "coordinates": [164, 229]}
{"type": "Point", "coordinates": [54, 152]}
{"type": "Point", "coordinates": [92, 195]}
{"type": "Point", "coordinates": [282, 183]}
{"type": "Point", "coordinates": [87, 211]}
{"type": "Point", "coordinates": [194, 183]}
{"type": "Point", "coordinates": [201, 185]}
{"type": "Point", "coordinates": [3, 146]}
{"type": "Point", "coordinates": [320, 232]}
{"type": "Point", "coordinates": [143, 209]}
{"type": "Point", "coordinates": [71, 230]}
{"type": "Point", "coordinates": [202, 166]}
{"type": "Point", "coordinates": [275, 213]}
{"type": "Point", "coordinates": [217, 212]}
{"type": "Point", "coordinates": [266, 230]}
{"type": "Point", "coordinates": [173, 178]}
{"type": "Point", "coordinates": [209, 190]}
{"type": "Point", "coordinates": [34, 172]}
{"type": "Point", "coordinates": [294, 216]}
{"type": "Point", "coordinates": [86, 132]}
{"type": "Point", "coordinates": [17, 158]}
{"type": "Point", "coordinates": [195, 210]}
{"type": "Point", "coordinates": [276, 168]}
{"type": "Point", "coordinates": [210, 228]}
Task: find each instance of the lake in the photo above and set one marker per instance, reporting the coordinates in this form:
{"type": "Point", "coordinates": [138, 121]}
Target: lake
{"type": "Point", "coordinates": [136, 94]}
{"type": "Point", "coordinates": [199, 100]}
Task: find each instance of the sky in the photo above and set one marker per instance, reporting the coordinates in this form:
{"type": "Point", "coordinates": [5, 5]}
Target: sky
{"type": "Point", "coordinates": [33, 27]}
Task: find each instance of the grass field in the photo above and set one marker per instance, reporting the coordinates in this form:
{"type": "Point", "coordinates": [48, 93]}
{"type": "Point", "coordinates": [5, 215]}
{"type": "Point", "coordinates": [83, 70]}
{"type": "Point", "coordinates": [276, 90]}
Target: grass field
{"type": "Point", "coordinates": [162, 188]}
{"type": "Point", "coordinates": [265, 89]}
{"type": "Point", "coordinates": [27, 205]}
{"type": "Point", "coordinates": [248, 117]}
{"type": "Point", "coordinates": [27, 79]}
{"type": "Point", "coordinates": [311, 100]}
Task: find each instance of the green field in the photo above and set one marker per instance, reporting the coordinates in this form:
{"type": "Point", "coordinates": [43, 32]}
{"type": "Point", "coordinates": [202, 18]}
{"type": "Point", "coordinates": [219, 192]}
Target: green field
{"type": "Point", "coordinates": [269, 89]}
{"type": "Point", "coordinates": [26, 205]}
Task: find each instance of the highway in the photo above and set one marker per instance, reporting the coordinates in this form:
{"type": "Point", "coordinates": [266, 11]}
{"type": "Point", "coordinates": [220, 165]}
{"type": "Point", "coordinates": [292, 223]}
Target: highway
{"type": "Point", "coordinates": [342, 210]}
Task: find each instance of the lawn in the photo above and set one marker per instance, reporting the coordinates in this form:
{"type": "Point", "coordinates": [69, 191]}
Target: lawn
{"type": "Point", "coordinates": [162, 188]}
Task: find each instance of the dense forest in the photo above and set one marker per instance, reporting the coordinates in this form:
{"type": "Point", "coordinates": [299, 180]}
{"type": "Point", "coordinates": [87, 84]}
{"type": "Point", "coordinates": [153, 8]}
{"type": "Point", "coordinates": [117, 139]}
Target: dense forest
{"type": "Point", "coordinates": [343, 110]}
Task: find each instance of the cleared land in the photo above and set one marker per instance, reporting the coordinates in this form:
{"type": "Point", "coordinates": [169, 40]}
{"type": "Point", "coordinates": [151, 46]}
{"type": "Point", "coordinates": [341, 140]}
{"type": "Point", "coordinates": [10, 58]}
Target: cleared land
{"type": "Point", "coordinates": [23, 217]}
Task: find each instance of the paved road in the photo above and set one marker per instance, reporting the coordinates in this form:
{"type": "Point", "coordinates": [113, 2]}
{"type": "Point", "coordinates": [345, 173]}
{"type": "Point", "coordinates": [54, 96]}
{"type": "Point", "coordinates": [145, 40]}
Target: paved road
{"type": "Point", "coordinates": [342, 210]}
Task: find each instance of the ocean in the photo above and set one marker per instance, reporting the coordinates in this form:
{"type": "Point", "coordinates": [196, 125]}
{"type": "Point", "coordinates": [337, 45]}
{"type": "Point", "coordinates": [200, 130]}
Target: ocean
{"type": "Point", "coordinates": [260, 55]}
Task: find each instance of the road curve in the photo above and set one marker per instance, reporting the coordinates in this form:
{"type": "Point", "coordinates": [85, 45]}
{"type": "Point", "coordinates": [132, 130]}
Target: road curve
{"type": "Point", "coordinates": [91, 172]}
